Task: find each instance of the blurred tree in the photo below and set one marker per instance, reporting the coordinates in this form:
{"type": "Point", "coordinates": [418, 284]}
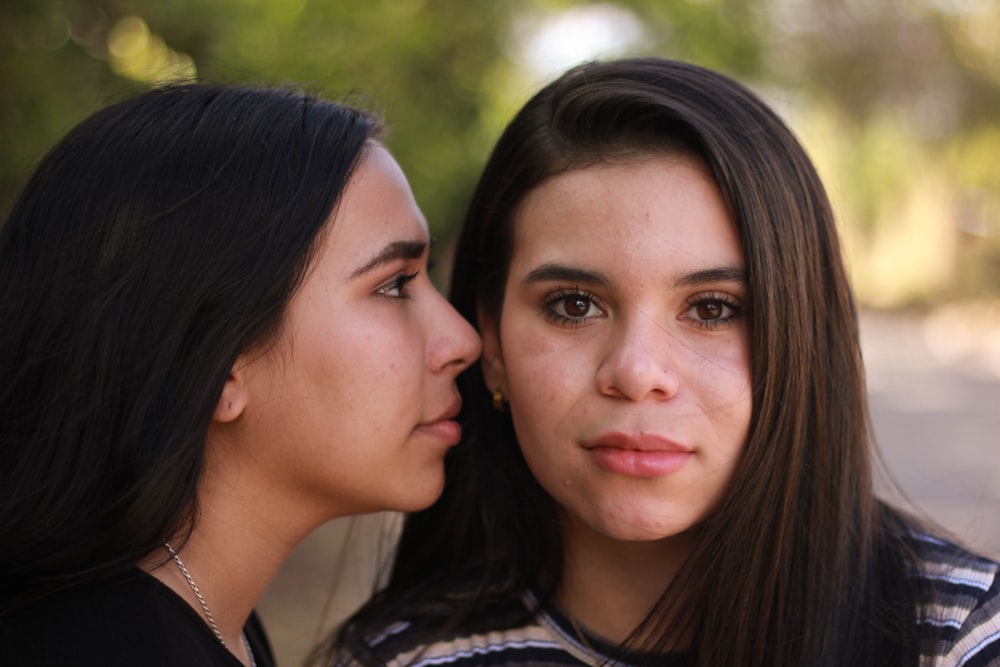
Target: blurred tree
{"type": "Point", "coordinates": [911, 93]}
{"type": "Point", "coordinates": [418, 62]}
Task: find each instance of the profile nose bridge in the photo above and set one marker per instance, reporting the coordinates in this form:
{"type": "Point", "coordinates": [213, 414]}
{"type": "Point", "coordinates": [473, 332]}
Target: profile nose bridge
{"type": "Point", "coordinates": [452, 340]}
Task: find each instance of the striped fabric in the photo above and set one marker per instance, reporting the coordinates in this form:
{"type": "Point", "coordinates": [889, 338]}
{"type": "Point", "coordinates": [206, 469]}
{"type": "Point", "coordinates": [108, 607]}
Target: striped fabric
{"type": "Point", "coordinates": [960, 617]}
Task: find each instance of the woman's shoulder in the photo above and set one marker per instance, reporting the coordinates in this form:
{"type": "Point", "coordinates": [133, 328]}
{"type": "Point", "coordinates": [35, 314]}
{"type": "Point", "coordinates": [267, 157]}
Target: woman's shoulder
{"type": "Point", "coordinates": [959, 602]}
{"type": "Point", "coordinates": [942, 560]}
{"type": "Point", "coordinates": [131, 619]}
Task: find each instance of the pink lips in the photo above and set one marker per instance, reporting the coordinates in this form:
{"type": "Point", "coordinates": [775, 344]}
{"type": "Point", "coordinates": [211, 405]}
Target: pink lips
{"type": "Point", "coordinates": [638, 455]}
{"type": "Point", "coordinates": [445, 428]}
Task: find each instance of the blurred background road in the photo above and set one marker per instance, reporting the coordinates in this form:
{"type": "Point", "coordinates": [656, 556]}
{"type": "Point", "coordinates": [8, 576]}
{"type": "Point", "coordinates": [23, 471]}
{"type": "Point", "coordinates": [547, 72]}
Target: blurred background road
{"type": "Point", "coordinates": [934, 386]}
{"type": "Point", "coordinates": [934, 383]}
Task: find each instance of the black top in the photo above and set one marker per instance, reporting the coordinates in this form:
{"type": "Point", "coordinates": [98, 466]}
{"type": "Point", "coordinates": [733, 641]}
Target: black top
{"type": "Point", "coordinates": [132, 621]}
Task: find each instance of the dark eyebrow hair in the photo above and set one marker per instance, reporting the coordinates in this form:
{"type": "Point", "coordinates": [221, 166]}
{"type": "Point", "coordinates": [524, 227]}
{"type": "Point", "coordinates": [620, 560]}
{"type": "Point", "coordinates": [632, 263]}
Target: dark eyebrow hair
{"type": "Point", "coordinates": [557, 272]}
{"type": "Point", "coordinates": [392, 252]}
{"type": "Point", "coordinates": [720, 274]}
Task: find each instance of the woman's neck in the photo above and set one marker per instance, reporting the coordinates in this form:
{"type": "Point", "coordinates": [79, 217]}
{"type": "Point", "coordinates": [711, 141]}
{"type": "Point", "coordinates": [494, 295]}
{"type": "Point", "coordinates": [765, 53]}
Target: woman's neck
{"type": "Point", "coordinates": [609, 585]}
{"type": "Point", "coordinates": [231, 575]}
{"type": "Point", "coordinates": [245, 529]}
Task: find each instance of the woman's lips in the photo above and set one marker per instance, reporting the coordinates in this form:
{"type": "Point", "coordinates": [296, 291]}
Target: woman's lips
{"type": "Point", "coordinates": [446, 430]}
{"type": "Point", "coordinates": [444, 427]}
{"type": "Point", "coordinates": [638, 455]}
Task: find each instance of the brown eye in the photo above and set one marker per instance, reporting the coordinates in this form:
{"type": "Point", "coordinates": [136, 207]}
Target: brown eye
{"type": "Point", "coordinates": [709, 310]}
{"type": "Point", "coordinates": [576, 306]}
{"type": "Point", "coordinates": [571, 307]}
{"type": "Point", "coordinates": [713, 310]}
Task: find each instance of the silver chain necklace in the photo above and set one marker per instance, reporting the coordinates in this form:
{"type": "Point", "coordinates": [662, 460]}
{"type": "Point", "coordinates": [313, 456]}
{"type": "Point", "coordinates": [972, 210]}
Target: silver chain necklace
{"type": "Point", "coordinates": [204, 605]}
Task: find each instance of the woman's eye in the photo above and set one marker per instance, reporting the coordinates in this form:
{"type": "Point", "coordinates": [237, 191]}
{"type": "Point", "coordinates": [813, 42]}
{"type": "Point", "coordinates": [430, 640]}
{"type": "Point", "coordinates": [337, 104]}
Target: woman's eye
{"type": "Point", "coordinates": [571, 307]}
{"type": "Point", "coordinates": [710, 310]}
{"type": "Point", "coordinates": [396, 288]}
{"type": "Point", "coordinates": [576, 306]}
{"type": "Point", "coordinates": [713, 311]}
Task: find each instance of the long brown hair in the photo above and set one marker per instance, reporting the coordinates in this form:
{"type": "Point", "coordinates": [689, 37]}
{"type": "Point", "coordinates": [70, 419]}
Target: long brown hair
{"type": "Point", "coordinates": [799, 564]}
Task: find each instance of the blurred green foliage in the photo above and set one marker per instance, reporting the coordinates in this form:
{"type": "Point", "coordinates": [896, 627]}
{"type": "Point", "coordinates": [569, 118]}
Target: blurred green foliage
{"type": "Point", "coordinates": [898, 100]}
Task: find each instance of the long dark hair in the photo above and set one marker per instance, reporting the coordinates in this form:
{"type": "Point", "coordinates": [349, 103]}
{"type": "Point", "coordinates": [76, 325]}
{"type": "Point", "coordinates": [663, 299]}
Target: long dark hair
{"type": "Point", "coordinates": [159, 240]}
{"type": "Point", "coordinates": [800, 563]}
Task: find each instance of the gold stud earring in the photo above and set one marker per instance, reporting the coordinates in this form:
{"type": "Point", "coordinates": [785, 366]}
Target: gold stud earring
{"type": "Point", "coordinates": [499, 404]}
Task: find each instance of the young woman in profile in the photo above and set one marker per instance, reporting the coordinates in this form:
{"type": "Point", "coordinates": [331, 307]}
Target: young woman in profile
{"type": "Point", "coordinates": [666, 456]}
{"type": "Point", "coordinates": [218, 334]}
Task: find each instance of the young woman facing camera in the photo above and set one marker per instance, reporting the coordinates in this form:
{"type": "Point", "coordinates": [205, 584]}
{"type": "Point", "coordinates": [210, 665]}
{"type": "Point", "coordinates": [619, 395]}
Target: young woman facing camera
{"type": "Point", "coordinates": [220, 334]}
{"type": "Point", "coordinates": [667, 454]}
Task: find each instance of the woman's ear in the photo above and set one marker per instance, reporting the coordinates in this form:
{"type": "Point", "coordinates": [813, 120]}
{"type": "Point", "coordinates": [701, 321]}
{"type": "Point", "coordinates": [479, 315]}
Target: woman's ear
{"type": "Point", "coordinates": [233, 400]}
{"type": "Point", "coordinates": [494, 371]}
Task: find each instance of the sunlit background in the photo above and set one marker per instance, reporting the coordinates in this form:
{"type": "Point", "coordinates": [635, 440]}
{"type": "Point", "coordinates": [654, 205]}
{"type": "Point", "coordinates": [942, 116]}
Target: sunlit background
{"type": "Point", "coordinates": [897, 101]}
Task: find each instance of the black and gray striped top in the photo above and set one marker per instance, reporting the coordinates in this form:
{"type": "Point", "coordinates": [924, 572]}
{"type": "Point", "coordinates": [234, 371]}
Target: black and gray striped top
{"type": "Point", "coordinates": [961, 622]}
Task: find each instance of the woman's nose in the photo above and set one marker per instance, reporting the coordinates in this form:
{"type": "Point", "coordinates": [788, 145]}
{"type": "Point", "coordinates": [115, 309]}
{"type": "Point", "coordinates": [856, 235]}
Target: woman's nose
{"type": "Point", "coordinates": [641, 361]}
{"type": "Point", "coordinates": [454, 344]}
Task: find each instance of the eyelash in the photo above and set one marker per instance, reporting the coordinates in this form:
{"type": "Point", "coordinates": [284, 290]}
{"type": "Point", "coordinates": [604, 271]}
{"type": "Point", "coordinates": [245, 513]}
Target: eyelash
{"type": "Point", "coordinates": [399, 282]}
{"type": "Point", "coordinates": [548, 306]}
{"type": "Point", "coordinates": [727, 301]}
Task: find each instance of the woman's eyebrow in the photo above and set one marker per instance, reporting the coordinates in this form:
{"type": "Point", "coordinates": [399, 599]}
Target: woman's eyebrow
{"type": "Point", "coordinates": [713, 275]}
{"type": "Point", "coordinates": [392, 252]}
{"type": "Point", "coordinates": [558, 272]}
